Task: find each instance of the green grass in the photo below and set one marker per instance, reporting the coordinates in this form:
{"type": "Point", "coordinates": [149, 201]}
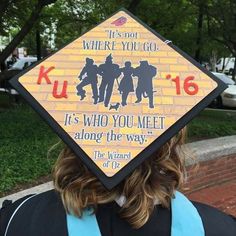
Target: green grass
{"type": "Point", "coordinates": [4, 100]}
{"type": "Point", "coordinates": [25, 140]}
{"type": "Point", "coordinates": [212, 124]}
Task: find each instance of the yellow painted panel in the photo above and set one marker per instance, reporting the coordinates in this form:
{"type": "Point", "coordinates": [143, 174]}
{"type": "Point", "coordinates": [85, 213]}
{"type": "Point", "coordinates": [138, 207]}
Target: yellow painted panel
{"type": "Point", "coordinates": [84, 115]}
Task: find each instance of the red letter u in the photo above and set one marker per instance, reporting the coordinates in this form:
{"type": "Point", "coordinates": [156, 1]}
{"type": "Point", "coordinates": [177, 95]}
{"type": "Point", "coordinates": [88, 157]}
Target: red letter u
{"type": "Point", "coordinates": [63, 93]}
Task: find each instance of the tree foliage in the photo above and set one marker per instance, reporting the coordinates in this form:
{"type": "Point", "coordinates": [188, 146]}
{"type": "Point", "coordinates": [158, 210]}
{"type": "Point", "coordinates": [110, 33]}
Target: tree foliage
{"type": "Point", "coordinates": [199, 27]}
{"type": "Point", "coordinates": [34, 14]}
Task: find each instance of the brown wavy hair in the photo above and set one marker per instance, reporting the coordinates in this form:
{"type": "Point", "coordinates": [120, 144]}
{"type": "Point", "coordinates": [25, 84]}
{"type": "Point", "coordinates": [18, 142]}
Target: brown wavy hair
{"type": "Point", "coordinates": [157, 178]}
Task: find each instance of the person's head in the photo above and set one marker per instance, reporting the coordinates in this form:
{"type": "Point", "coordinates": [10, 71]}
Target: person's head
{"type": "Point", "coordinates": [109, 59]}
{"type": "Point", "coordinates": [143, 63]}
{"type": "Point", "coordinates": [156, 179]}
{"type": "Point", "coordinates": [127, 64]}
{"type": "Point", "coordinates": [89, 61]}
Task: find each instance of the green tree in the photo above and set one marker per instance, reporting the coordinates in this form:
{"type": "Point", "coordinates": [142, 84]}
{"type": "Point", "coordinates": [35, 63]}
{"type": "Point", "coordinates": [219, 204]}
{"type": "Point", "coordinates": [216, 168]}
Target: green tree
{"type": "Point", "coordinates": [8, 9]}
{"type": "Point", "coordinates": [221, 23]}
{"type": "Point", "coordinates": [192, 25]}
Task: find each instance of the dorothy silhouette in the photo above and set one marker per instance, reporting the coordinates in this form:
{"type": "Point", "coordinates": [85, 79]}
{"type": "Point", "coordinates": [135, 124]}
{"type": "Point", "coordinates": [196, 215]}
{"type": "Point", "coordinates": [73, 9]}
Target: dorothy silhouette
{"type": "Point", "coordinates": [126, 85]}
{"type": "Point", "coordinates": [109, 72]}
{"type": "Point", "coordinates": [88, 76]}
{"type": "Point", "coordinates": [145, 74]}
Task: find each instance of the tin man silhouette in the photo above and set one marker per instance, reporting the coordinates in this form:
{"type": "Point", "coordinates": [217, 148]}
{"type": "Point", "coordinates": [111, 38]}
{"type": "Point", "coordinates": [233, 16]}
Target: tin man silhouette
{"type": "Point", "coordinates": [126, 85]}
{"type": "Point", "coordinates": [145, 74]}
{"type": "Point", "coordinates": [88, 75]}
{"type": "Point", "coordinates": [109, 72]}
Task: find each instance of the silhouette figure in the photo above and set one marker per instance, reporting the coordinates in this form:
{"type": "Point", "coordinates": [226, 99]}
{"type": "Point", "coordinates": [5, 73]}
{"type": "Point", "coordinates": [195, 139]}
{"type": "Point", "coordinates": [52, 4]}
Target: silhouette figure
{"type": "Point", "coordinates": [145, 74]}
{"type": "Point", "coordinates": [109, 72]}
{"type": "Point", "coordinates": [88, 75]}
{"type": "Point", "coordinates": [126, 84]}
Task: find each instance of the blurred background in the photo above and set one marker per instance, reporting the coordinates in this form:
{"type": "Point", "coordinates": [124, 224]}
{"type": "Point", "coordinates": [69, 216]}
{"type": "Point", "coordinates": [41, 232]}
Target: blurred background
{"type": "Point", "coordinates": [204, 29]}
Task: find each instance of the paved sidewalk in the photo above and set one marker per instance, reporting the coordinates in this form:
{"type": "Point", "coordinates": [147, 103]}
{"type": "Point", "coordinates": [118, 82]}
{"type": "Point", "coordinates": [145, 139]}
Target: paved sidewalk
{"type": "Point", "coordinates": [222, 197]}
{"type": "Point", "coordinates": [37, 189]}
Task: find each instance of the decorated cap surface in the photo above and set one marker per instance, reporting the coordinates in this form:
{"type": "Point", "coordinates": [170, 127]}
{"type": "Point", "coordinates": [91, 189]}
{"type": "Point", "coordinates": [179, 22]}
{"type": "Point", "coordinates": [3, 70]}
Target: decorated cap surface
{"type": "Point", "coordinates": [115, 116]}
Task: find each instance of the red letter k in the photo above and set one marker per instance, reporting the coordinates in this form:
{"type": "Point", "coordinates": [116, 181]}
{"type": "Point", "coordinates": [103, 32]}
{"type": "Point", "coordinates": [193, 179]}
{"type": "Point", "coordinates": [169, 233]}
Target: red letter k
{"type": "Point", "coordinates": [44, 74]}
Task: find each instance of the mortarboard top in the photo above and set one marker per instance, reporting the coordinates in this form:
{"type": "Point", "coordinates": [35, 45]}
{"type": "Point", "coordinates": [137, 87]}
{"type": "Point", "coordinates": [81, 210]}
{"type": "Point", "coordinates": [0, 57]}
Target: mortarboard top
{"type": "Point", "coordinates": [112, 117]}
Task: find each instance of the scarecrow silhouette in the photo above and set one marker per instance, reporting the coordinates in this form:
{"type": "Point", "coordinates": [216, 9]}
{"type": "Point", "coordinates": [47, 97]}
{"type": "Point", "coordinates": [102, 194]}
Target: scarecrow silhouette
{"type": "Point", "coordinates": [88, 76]}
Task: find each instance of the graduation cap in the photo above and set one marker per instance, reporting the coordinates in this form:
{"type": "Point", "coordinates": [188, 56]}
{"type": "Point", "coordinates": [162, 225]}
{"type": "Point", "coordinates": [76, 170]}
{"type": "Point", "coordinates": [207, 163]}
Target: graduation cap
{"type": "Point", "coordinates": [114, 126]}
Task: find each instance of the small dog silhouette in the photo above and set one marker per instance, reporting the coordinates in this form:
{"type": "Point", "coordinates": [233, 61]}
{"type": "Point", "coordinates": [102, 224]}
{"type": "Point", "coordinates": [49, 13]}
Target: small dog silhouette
{"type": "Point", "coordinates": [116, 106]}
